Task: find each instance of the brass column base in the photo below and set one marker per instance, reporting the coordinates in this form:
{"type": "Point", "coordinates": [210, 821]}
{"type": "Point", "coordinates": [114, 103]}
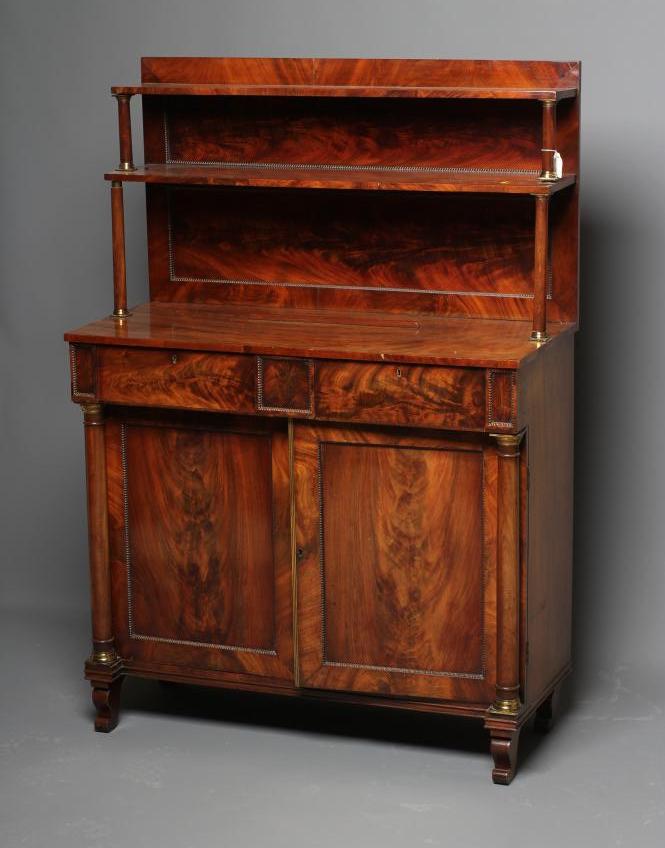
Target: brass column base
{"type": "Point", "coordinates": [505, 706]}
{"type": "Point", "coordinates": [106, 657]}
{"type": "Point", "coordinates": [539, 336]}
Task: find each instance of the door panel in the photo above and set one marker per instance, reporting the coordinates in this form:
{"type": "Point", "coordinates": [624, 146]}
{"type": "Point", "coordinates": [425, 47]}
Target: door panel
{"type": "Point", "coordinates": [396, 590]}
{"type": "Point", "coordinates": [199, 521]}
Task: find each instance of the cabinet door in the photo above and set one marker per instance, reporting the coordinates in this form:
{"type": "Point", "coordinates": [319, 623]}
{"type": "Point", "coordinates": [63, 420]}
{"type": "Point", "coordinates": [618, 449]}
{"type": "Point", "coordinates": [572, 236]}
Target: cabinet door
{"type": "Point", "coordinates": [396, 575]}
{"type": "Point", "coordinates": [199, 540]}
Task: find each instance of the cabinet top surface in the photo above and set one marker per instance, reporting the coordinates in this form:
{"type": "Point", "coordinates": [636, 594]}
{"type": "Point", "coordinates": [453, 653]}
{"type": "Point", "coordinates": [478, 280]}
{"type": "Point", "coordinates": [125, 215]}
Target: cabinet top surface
{"type": "Point", "coordinates": [318, 333]}
{"type": "Point", "coordinates": [465, 78]}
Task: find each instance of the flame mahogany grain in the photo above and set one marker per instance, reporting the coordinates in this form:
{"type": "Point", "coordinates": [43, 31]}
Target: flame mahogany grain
{"type": "Point", "coordinates": [351, 132]}
{"type": "Point", "coordinates": [371, 77]}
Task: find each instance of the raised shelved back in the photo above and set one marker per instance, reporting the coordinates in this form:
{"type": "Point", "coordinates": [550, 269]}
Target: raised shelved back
{"type": "Point", "coordinates": [466, 254]}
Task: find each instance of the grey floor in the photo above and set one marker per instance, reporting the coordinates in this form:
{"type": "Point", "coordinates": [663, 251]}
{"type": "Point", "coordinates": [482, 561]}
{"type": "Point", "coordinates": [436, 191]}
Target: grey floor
{"type": "Point", "coordinates": [189, 767]}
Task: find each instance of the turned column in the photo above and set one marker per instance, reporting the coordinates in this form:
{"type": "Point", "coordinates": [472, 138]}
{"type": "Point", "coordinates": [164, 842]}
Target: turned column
{"type": "Point", "coordinates": [548, 146]}
{"type": "Point", "coordinates": [541, 251]}
{"type": "Point", "coordinates": [119, 263]}
{"type": "Point", "coordinates": [125, 133]}
{"type": "Point", "coordinates": [508, 576]}
{"type": "Point", "coordinates": [104, 667]}
{"type": "Point", "coordinates": [98, 535]}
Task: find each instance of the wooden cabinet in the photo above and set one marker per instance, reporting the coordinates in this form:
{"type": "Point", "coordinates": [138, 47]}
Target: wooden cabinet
{"type": "Point", "coordinates": [331, 457]}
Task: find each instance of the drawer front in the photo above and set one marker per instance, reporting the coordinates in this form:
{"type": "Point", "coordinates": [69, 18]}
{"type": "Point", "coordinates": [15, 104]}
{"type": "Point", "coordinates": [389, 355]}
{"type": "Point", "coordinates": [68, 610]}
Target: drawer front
{"type": "Point", "coordinates": [402, 395]}
{"type": "Point", "coordinates": [178, 379]}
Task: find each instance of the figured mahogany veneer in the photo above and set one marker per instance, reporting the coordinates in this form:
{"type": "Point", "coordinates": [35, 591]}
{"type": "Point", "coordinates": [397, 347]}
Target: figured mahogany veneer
{"type": "Point", "coordinates": [332, 456]}
{"type": "Point", "coordinates": [407, 395]}
{"type": "Point", "coordinates": [365, 77]}
{"type": "Point", "coordinates": [176, 379]}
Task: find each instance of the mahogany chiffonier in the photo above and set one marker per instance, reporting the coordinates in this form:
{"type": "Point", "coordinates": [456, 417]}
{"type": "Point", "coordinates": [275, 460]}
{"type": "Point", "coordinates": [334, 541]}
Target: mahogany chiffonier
{"type": "Point", "coordinates": [332, 456]}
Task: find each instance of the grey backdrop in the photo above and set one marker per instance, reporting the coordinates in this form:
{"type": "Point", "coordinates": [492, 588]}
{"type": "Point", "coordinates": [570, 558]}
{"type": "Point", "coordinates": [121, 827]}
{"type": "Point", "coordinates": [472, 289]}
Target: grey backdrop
{"type": "Point", "coordinates": [58, 135]}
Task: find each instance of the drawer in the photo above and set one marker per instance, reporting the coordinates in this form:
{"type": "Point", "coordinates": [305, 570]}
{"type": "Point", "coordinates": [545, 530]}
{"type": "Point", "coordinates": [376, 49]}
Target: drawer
{"type": "Point", "coordinates": [179, 379]}
{"type": "Point", "coordinates": [369, 393]}
{"type": "Point", "coordinates": [412, 395]}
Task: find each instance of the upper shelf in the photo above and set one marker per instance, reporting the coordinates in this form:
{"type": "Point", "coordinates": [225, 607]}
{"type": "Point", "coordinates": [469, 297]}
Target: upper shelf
{"type": "Point", "coordinates": [345, 178]}
{"type": "Point", "coordinates": [469, 92]}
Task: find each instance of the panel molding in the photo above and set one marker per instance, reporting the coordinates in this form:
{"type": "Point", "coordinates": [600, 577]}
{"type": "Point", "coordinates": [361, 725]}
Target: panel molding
{"type": "Point", "coordinates": [145, 637]}
{"type": "Point", "coordinates": [480, 675]}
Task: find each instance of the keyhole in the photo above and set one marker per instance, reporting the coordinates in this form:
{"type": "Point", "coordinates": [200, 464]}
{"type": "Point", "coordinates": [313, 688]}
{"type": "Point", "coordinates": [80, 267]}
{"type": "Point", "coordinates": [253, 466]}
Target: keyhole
{"type": "Point", "coordinates": [174, 358]}
{"type": "Point", "coordinates": [398, 372]}
{"type": "Point", "coordinates": [300, 553]}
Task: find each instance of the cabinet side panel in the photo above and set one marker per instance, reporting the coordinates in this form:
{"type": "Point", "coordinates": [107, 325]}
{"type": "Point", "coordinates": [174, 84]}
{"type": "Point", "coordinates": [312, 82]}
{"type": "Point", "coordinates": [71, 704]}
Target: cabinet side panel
{"type": "Point", "coordinates": [548, 403]}
{"type": "Point", "coordinates": [565, 215]}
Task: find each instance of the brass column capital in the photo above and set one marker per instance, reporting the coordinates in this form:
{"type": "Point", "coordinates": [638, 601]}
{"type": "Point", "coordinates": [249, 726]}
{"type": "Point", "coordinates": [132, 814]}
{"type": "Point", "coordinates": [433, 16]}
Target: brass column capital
{"type": "Point", "coordinates": [508, 444]}
{"type": "Point", "coordinates": [93, 414]}
{"type": "Point", "coordinates": [125, 130]}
